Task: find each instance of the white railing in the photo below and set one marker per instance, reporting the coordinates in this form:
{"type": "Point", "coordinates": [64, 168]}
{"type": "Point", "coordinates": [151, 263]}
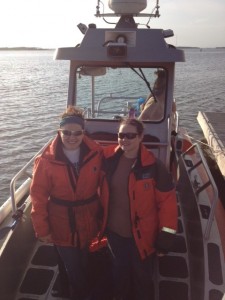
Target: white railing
{"type": "Point", "coordinates": [16, 195]}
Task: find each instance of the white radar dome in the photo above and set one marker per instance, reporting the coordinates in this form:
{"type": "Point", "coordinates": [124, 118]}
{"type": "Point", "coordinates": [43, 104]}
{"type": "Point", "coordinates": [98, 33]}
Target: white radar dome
{"type": "Point", "coordinates": [127, 6]}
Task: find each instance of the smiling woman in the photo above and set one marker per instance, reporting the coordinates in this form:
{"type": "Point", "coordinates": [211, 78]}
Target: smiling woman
{"type": "Point", "coordinates": [141, 214]}
{"type": "Point", "coordinates": [71, 131]}
{"type": "Point", "coordinates": [130, 136]}
{"type": "Point", "coordinates": [65, 206]}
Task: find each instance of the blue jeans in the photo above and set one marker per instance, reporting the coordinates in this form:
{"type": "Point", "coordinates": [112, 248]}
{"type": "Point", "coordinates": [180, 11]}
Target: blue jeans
{"type": "Point", "coordinates": [131, 276]}
{"type": "Point", "coordinates": [76, 262]}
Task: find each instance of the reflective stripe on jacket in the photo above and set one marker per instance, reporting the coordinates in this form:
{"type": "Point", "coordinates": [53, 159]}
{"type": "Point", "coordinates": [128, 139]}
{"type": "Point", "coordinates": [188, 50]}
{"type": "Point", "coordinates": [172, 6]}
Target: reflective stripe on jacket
{"type": "Point", "coordinates": [56, 178]}
{"type": "Point", "coordinates": [151, 193]}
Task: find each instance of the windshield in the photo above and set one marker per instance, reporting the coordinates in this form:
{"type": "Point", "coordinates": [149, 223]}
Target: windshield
{"type": "Point", "coordinates": [112, 93]}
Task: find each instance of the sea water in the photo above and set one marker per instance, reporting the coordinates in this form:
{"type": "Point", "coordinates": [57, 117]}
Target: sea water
{"type": "Point", "coordinates": [33, 94]}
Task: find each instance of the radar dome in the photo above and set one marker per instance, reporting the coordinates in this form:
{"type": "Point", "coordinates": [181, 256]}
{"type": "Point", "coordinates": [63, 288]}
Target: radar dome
{"type": "Point", "coordinates": [127, 6]}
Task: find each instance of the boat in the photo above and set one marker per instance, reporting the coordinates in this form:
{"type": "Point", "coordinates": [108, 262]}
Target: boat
{"type": "Point", "coordinates": [116, 68]}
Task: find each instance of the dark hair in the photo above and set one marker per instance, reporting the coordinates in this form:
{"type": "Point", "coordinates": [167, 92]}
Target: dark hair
{"type": "Point", "coordinates": [133, 122]}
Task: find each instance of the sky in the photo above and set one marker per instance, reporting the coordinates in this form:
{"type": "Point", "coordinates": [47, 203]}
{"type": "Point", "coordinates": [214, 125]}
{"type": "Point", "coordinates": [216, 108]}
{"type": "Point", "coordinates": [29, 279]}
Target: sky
{"type": "Point", "coordinates": [53, 23]}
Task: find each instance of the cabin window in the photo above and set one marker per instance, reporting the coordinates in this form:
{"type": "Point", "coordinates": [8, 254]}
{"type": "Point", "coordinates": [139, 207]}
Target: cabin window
{"type": "Point", "coordinates": [112, 93]}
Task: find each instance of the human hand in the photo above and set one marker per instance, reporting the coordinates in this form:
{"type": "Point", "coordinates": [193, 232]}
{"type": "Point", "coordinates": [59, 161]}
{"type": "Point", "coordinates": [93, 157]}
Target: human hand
{"type": "Point", "coordinates": [97, 244]}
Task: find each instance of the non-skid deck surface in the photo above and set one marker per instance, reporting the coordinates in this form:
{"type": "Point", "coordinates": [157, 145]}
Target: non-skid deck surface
{"type": "Point", "coordinates": [41, 274]}
{"type": "Point", "coordinates": [171, 276]}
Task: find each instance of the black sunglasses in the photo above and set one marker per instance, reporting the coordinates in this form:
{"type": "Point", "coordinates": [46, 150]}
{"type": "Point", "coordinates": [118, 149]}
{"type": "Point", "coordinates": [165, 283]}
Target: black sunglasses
{"type": "Point", "coordinates": [70, 132]}
{"type": "Point", "coordinates": [128, 135]}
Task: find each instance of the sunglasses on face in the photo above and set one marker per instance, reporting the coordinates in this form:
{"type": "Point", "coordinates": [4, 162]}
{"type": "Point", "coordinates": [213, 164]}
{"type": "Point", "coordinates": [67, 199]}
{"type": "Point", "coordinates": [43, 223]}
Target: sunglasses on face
{"type": "Point", "coordinates": [128, 135]}
{"type": "Point", "coordinates": [70, 132]}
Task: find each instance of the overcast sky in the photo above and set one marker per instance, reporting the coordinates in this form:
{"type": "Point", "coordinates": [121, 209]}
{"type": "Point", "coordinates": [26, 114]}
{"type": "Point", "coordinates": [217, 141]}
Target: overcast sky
{"type": "Point", "coordinates": [53, 23]}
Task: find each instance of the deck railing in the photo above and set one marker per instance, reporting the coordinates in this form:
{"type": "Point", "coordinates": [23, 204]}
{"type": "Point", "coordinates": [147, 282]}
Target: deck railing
{"type": "Point", "coordinates": [15, 197]}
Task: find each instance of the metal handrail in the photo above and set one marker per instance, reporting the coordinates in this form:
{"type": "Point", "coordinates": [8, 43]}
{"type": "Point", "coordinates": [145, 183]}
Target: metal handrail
{"type": "Point", "coordinates": [21, 173]}
{"type": "Point", "coordinates": [213, 184]}
{"type": "Point", "coordinates": [111, 97]}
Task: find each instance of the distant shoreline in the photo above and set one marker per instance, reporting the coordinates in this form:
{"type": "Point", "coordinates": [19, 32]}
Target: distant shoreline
{"type": "Point", "coordinates": [186, 47]}
{"type": "Point", "coordinates": [23, 48]}
{"type": "Point", "coordinates": [44, 49]}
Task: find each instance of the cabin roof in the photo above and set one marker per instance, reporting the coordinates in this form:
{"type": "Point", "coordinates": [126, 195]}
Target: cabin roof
{"type": "Point", "coordinates": [141, 46]}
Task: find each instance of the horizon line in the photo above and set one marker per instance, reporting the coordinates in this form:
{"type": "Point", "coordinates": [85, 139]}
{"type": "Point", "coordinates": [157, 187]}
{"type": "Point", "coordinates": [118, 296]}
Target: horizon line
{"type": "Point", "coordinates": [40, 48]}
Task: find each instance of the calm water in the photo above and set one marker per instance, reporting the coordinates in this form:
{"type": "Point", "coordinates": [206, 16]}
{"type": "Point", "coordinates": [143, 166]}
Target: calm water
{"type": "Point", "coordinates": [33, 93]}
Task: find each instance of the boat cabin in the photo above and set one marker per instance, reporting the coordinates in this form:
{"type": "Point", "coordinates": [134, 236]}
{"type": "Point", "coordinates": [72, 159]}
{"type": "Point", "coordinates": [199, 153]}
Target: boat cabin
{"type": "Point", "coordinates": [112, 72]}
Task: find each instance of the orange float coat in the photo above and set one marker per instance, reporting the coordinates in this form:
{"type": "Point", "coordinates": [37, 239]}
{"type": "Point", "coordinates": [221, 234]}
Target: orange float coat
{"type": "Point", "coordinates": [152, 197]}
{"type": "Point", "coordinates": [65, 204]}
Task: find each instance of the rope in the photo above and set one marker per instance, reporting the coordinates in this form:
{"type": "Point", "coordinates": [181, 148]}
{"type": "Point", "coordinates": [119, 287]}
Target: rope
{"type": "Point", "coordinates": [205, 144]}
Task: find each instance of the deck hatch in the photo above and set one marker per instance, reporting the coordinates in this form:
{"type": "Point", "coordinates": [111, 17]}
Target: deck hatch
{"type": "Point", "coordinates": [215, 272]}
{"type": "Point", "coordinates": [179, 245]}
{"type": "Point", "coordinates": [215, 295]}
{"type": "Point", "coordinates": [36, 281]}
{"type": "Point", "coordinates": [45, 256]}
{"type": "Point", "coordinates": [173, 290]}
{"type": "Point", "coordinates": [173, 266]}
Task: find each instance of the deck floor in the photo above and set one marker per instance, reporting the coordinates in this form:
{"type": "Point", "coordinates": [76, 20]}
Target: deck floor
{"type": "Point", "coordinates": [213, 124]}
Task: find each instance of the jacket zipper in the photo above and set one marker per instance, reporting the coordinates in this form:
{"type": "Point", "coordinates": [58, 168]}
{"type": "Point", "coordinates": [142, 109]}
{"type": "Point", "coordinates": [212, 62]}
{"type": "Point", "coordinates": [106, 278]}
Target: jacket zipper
{"type": "Point", "coordinates": [88, 159]}
{"type": "Point", "coordinates": [72, 182]}
{"type": "Point", "coordinates": [136, 218]}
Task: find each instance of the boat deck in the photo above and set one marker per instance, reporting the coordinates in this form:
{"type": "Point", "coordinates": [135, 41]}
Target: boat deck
{"type": "Point", "coordinates": [213, 124]}
{"type": "Point", "coordinates": [42, 277]}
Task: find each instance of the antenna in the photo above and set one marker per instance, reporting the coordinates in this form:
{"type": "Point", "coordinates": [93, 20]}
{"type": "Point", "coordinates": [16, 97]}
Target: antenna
{"type": "Point", "coordinates": [127, 8]}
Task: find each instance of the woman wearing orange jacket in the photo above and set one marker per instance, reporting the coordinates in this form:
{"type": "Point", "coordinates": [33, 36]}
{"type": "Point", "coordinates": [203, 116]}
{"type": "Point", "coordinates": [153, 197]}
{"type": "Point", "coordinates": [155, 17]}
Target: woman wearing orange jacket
{"type": "Point", "coordinates": [140, 216]}
{"type": "Point", "coordinates": [65, 204]}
